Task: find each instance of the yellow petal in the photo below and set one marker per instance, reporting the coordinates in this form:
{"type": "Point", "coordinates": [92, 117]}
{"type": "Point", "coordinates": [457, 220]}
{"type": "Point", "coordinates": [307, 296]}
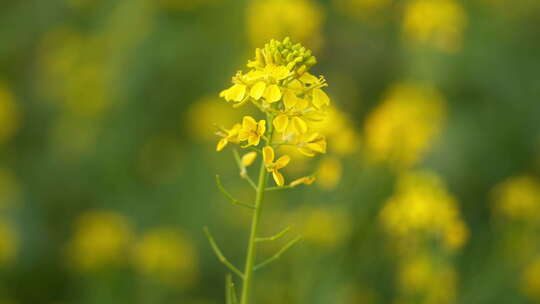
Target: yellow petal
{"type": "Point", "coordinates": [299, 125]}
{"type": "Point", "coordinates": [278, 178]}
{"type": "Point", "coordinates": [320, 98]}
{"type": "Point", "coordinates": [268, 155]}
{"type": "Point", "coordinates": [249, 123]}
{"type": "Point", "coordinates": [289, 99]}
{"type": "Point", "coordinates": [248, 158]}
{"type": "Point", "coordinates": [301, 104]}
{"type": "Point", "coordinates": [221, 144]}
{"type": "Point", "coordinates": [236, 92]}
{"type": "Point", "coordinates": [272, 93]}
{"type": "Point", "coordinates": [261, 127]}
{"type": "Point", "coordinates": [306, 152]}
{"type": "Point", "coordinates": [257, 90]}
{"type": "Point", "coordinates": [280, 72]}
{"type": "Point", "coordinates": [254, 139]}
{"type": "Point", "coordinates": [308, 180]}
{"type": "Point", "coordinates": [281, 122]}
{"type": "Point", "coordinates": [308, 78]}
{"type": "Point", "coordinates": [319, 146]}
{"type": "Point", "coordinates": [282, 161]}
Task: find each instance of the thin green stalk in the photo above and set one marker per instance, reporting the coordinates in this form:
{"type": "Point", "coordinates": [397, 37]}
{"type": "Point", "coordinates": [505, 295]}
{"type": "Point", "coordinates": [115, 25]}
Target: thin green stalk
{"type": "Point", "coordinates": [252, 244]}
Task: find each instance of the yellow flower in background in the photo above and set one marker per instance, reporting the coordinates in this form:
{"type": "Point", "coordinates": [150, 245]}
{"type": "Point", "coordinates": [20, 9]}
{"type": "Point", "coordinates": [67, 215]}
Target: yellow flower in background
{"type": "Point", "coordinates": [530, 279]}
{"type": "Point", "coordinates": [323, 227]}
{"type": "Point", "coordinates": [8, 243]}
{"type": "Point", "coordinates": [422, 207]}
{"type": "Point", "coordinates": [167, 254]}
{"type": "Point", "coordinates": [518, 198]}
{"type": "Point", "coordinates": [401, 129]}
{"type": "Point", "coordinates": [275, 166]}
{"type": "Point", "coordinates": [300, 19]}
{"type": "Point", "coordinates": [427, 278]}
{"type": "Point", "coordinates": [438, 23]}
{"type": "Point", "coordinates": [204, 114]}
{"type": "Point", "coordinates": [101, 238]}
{"type": "Point", "coordinates": [340, 131]}
{"type": "Point", "coordinates": [329, 172]}
{"type": "Point", "coordinates": [9, 114]}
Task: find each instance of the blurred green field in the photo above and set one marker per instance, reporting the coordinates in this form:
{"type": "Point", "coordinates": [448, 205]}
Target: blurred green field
{"type": "Point", "coordinates": [429, 192]}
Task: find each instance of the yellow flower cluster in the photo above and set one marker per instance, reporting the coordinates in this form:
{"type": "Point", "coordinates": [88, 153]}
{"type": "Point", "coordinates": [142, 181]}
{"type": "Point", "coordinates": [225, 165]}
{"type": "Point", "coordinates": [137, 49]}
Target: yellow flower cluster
{"type": "Point", "coordinates": [422, 207]}
{"type": "Point", "coordinates": [423, 279]}
{"type": "Point", "coordinates": [518, 198]}
{"type": "Point", "coordinates": [105, 238]}
{"type": "Point", "coordinates": [280, 85]}
{"type": "Point", "coordinates": [301, 19]}
{"type": "Point", "coordinates": [439, 23]}
{"type": "Point", "coordinates": [531, 279]}
{"type": "Point", "coordinates": [166, 254]}
{"type": "Point", "coordinates": [402, 127]}
{"type": "Point", "coordinates": [101, 238]}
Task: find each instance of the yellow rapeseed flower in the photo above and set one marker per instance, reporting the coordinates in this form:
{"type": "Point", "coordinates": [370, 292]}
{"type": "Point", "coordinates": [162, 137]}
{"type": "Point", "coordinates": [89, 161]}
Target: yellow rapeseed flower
{"type": "Point", "coordinates": [422, 206]}
{"type": "Point", "coordinates": [251, 131]}
{"type": "Point", "coordinates": [400, 130]}
{"type": "Point", "coordinates": [518, 198]}
{"type": "Point", "coordinates": [9, 114]}
{"type": "Point", "coordinates": [167, 254]}
{"type": "Point", "coordinates": [101, 238]}
{"type": "Point", "coordinates": [439, 23]}
{"type": "Point", "coordinates": [274, 167]}
{"type": "Point", "coordinates": [301, 19]}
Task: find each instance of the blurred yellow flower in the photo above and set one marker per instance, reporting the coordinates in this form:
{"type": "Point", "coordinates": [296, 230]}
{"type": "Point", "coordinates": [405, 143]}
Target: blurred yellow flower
{"type": "Point", "coordinates": [8, 243]}
{"type": "Point", "coordinates": [167, 254]}
{"type": "Point", "coordinates": [300, 19]}
{"type": "Point", "coordinates": [438, 23]}
{"type": "Point", "coordinates": [431, 280]}
{"type": "Point", "coordinates": [329, 172]}
{"type": "Point", "coordinates": [101, 238]}
{"type": "Point", "coordinates": [531, 279]}
{"type": "Point", "coordinates": [340, 131]}
{"type": "Point", "coordinates": [401, 129]}
{"type": "Point", "coordinates": [204, 114]}
{"type": "Point", "coordinates": [9, 114]}
{"type": "Point", "coordinates": [518, 198]}
{"type": "Point", "coordinates": [323, 227]}
{"type": "Point", "coordinates": [422, 207]}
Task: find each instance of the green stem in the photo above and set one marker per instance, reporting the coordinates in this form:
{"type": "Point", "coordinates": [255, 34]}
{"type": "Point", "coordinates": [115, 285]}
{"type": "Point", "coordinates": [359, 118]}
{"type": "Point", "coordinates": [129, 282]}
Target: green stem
{"type": "Point", "coordinates": [252, 244]}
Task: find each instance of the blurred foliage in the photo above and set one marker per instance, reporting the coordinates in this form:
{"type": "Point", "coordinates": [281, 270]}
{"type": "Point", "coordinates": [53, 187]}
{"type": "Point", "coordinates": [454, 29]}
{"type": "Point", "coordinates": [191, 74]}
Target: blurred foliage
{"type": "Point", "coordinates": [429, 192]}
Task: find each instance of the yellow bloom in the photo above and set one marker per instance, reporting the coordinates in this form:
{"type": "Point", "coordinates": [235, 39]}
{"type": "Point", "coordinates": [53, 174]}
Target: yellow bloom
{"type": "Point", "coordinates": [274, 167]}
{"type": "Point", "coordinates": [401, 129]}
{"type": "Point", "coordinates": [252, 131]}
{"type": "Point", "coordinates": [248, 159]}
{"type": "Point", "coordinates": [232, 136]}
{"type": "Point", "coordinates": [101, 238]}
{"type": "Point", "coordinates": [167, 254]}
{"type": "Point", "coordinates": [518, 198]}
{"type": "Point", "coordinates": [531, 279]}
{"type": "Point", "coordinates": [329, 173]}
{"type": "Point", "coordinates": [439, 23]}
{"type": "Point", "coordinates": [422, 207]}
{"type": "Point", "coordinates": [301, 19]}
